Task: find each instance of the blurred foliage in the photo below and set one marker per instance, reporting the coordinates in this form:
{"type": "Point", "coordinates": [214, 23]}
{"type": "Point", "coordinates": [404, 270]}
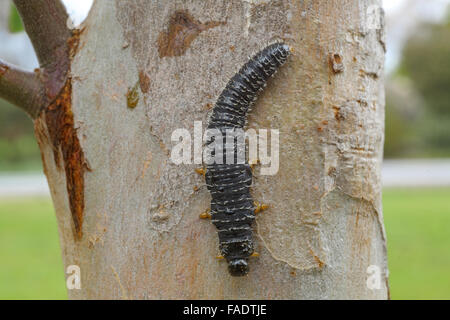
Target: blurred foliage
{"type": "Point", "coordinates": [426, 60]}
{"type": "Point", "coordinates": [403, 111]}
{"type": "Point", "coordinates": [426, 64]}
{"type": "Point", "coordinates": [18, 146]}
{"type": "Point", "coordinates": [15, 24]}
{"type": "Point", "coordinates": [396, 133]}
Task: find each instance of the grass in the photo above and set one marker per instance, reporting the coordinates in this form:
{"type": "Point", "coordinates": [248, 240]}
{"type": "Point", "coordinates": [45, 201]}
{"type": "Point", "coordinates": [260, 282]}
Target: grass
{"type": "Point", "coordinates": [30, 259]}
{"type": "Point", "coordinates": [417, 224]}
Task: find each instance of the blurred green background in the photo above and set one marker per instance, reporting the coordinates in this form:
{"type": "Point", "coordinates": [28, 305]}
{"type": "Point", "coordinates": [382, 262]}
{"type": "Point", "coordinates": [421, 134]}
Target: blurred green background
{"type": "Point", "coordinates": [417, 220]}
{"type": "Point", "coordinates": [418, 96]}
{"type": "Point", "coordinates": [417, 224]}
{"type": "Point", "coordinates": [30, 264]}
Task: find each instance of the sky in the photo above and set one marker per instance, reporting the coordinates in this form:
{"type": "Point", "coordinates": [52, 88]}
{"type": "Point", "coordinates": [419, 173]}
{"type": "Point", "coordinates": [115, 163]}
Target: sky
{"type": "Point", "coordinates": [78, 9]}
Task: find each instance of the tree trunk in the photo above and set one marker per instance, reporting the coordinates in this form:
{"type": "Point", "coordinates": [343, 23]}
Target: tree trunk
{"type": "Point", "coordinates": [128, 216]}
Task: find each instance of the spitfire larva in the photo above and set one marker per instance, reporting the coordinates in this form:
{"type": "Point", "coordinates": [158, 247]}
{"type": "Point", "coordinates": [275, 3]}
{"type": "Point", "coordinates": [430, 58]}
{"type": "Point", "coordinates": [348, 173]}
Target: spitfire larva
{"type": "Point", "coordinates": [232, 208]}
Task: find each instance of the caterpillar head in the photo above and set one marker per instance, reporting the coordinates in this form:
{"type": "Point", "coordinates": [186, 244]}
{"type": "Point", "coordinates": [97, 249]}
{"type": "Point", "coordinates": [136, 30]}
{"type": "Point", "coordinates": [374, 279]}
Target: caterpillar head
{"type": "Point", "coordinates": [238, 267]}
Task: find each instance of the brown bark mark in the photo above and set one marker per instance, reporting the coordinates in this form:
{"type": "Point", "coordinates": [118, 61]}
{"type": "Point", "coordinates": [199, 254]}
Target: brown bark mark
{"type": "Point", "coordinates": [63, 136]}
{"type": "Point", "coordinates": [144, 81]}
{"type": "Point", "coordinates": [183, 29]}
{"type": "Point", "coordinates": [336, 62]}
{"type": "Point", "coordinates": [319, 262]}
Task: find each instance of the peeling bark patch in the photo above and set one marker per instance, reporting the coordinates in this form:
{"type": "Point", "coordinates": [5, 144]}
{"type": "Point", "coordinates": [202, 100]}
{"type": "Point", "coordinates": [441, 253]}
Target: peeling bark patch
{"type": "Point", "coordinates": [133, 96]}
{"type": "Point", "coordinates": [144, 81]}
{"type": "Point", "coordinates": [336, 62]}
{"type": "Point", "coordinates": [63, 136]}
{"type": "Point", "coordinates": [74, 41]}
{"type": "Point", "coordinates": [183, 29]}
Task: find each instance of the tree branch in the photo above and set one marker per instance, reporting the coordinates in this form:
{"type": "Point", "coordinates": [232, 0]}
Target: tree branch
{"type": "Point", "coordinates": [22, 88]}
{"type": "Point", "coordinates": [45, 22]}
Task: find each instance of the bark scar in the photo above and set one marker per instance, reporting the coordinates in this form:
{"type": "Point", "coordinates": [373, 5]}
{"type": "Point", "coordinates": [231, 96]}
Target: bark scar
{"type": "Point", "coordinates": [63, 136]}
{"type": "Point", "coordinates": [183, 29]}
{"type": "Point", "coordinates": [336, 62]}
{"type": "Point", "coordinates": [144, 81]}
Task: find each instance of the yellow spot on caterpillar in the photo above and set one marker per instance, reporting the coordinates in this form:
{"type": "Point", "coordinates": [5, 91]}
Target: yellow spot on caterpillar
{"type": "Point", "coordinates": [201, 171]}
{"type": "Point", "coordinates": [205, 215]}
{"type": "Point", "coordinates": [260, 207]}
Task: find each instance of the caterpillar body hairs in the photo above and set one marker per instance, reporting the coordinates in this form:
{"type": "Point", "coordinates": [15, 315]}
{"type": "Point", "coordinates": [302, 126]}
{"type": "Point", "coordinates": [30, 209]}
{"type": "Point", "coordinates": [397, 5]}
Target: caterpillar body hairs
{"type": "Point", "coordinates": [232, 208]}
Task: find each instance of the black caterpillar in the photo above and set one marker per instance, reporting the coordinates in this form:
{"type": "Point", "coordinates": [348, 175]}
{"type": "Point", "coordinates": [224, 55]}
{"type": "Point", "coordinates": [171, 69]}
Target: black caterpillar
{"type": "Point", "coordinates": [232, 207]}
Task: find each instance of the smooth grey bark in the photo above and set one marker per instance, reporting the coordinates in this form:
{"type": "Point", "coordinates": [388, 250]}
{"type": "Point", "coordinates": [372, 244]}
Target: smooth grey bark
{"type": "Point", "coordinates": [141, 236]}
